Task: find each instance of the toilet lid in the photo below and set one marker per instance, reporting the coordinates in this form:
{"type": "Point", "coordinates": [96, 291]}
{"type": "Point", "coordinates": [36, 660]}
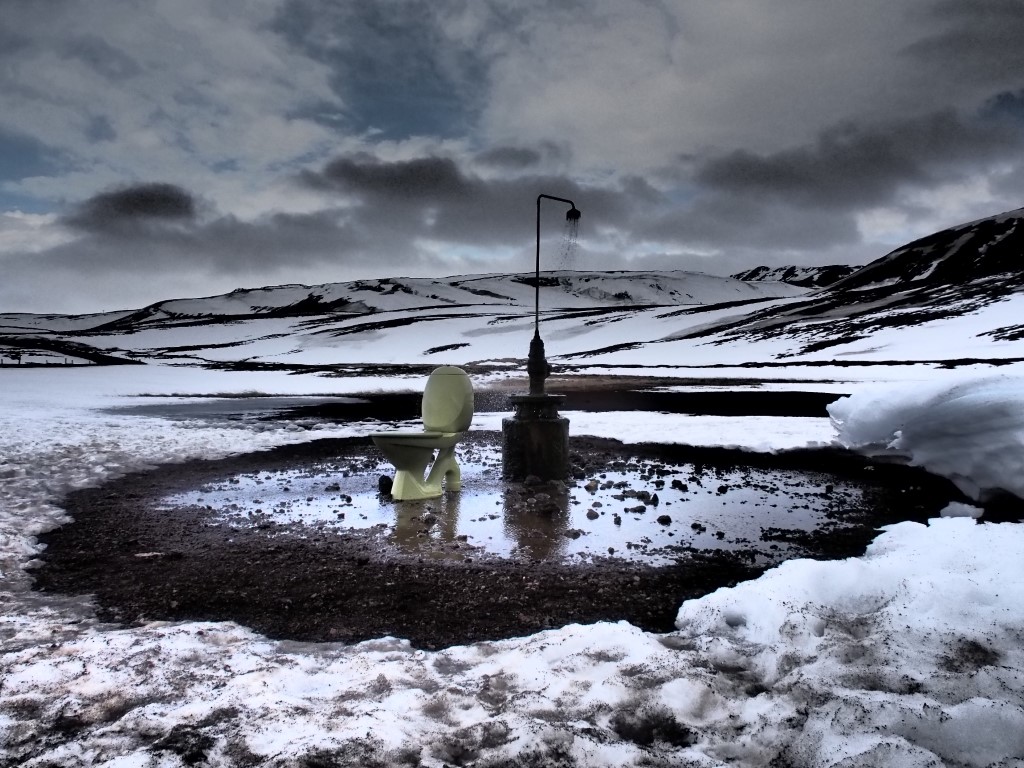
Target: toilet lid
{"type": "Point", "coordinates": [448, 400]}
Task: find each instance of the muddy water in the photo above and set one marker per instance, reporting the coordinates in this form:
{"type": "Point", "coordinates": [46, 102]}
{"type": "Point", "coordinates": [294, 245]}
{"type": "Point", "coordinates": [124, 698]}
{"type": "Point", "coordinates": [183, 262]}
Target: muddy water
{"type": "Point", "coordinates": [639, 510]}
{"type": "Point", "coordinates": [264, 542]}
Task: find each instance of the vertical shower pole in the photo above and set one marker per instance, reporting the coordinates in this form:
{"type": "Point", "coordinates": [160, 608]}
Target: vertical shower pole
{"type": "Point", "coordinates": [536, 364]}
{"type": "Point", "coordinates": [535, 441]}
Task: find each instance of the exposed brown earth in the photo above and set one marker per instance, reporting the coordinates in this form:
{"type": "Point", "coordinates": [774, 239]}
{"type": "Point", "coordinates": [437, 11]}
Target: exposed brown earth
{"type": "Point", "coordinates": [144, 563]}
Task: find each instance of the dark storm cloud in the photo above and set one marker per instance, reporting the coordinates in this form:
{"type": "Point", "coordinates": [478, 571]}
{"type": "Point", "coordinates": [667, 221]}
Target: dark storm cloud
{"type": "Point", "coordinates": [722, 223]}
{"type": "Point", "coordinates": [435, 198]}
{"type": "Point", "coordinates": [856, 165]}
{"type": "Point", "coordinates": [12, 43]}
{"type": "Point", "coordinates": [138, 204]}
{"type": "Point", "coordinates": [164, 227]}
{"type": "Point", "coordinates": [223, 245]}
{"type": "Point", "coordinates": [420, 178]}
{"type": "Point", "coordinates": [509, 158]}
{"type": "Point", "coordinates": [394, 63]}
{"type": "Point", "coordinates": [979, 40]}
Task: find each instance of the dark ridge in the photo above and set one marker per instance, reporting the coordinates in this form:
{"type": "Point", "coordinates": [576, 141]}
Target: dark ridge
{"type": "Point", "coordinates": [63, 347]}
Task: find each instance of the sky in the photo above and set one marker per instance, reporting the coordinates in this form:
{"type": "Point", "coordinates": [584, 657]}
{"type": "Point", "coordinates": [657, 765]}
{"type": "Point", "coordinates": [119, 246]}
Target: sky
{"type": "Point", "coordinates": [184, 148]}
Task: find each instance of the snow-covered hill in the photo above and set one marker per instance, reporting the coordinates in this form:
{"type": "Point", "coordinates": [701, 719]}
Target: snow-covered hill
{"type": "Point", "coordinates": [401, 320]}
{"type": "Point", "coordinates": [805, 277]}
{"type": "Point", "coordinates": [953, 297]}
{"type": "Point", "coordinates": [987, 248]}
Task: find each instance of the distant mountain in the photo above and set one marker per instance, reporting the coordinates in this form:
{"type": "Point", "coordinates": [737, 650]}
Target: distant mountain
{"type": "Point", "coordinates": [967, 280]}
{"type": "Point", "coordinates": [953, 298]}
{"type": "Point", "coordinates": [978, 250]}
{"type": "Point", "coordinates": [805, 277]}
{"type": "Point", "coordinates": [302, 319]}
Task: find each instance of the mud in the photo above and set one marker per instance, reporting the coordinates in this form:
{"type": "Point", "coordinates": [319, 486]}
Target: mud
{"type": "Point", "coordinates": [146, 561]}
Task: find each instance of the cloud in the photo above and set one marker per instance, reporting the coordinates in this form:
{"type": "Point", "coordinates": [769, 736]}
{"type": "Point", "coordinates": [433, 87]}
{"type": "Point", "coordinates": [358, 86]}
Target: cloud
{"type": "Point", "coordinates": [438, 199]}
{"type": "Point", "coordinates": [427, 178]}
{"type": "Point", "coordinates": [854, 165]}
{"type": "Point", "coordinates": [332, 140]}
{"type": "Point", "coordinates": [138, 204]}
{"type": "Point", "coordinates": [103, 58]}
{"type": "Point", "coordinates": [973, 41]}
{"type": "Point", "coordinates": [507, 157]}
{"type": "Point", "coordinates": [180, 93]}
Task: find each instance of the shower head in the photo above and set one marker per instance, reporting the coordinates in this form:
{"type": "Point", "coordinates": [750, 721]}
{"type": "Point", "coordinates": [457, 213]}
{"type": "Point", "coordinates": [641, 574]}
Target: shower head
{"type": "Point", "coordinates": [573, 214]}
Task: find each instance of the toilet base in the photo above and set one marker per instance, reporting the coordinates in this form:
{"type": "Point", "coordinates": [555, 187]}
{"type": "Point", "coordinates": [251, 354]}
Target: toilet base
{"type": "Point", "coordinates": [410, 485]}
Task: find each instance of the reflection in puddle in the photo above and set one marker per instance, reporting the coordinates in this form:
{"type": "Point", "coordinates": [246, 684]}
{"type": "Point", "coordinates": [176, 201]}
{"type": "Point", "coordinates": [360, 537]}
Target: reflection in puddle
{"type": "Point", "coordinates": [639, 510]}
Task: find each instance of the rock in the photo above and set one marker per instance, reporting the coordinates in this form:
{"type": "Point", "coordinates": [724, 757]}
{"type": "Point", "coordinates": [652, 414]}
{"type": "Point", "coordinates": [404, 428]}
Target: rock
{"type": "Point", "coordinates": [679, 485]}
{"type": "Point", "coordinates": [616, 519]}
{"type": "Point", "coordinates": [384, 485]}
{"type": "Point", "coordinates": [664, 520]}
{"type": "Point", "coordinates": [592, 514]}
{"type": "Point", "coordinates": [592, 486]}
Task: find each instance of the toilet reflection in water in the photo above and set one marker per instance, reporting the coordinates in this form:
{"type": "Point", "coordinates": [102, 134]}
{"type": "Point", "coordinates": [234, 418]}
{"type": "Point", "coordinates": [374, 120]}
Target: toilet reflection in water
{"type": "Point", "coordinates": [518, 521]}
{"type": "Point", "coordinates": [419, 527]}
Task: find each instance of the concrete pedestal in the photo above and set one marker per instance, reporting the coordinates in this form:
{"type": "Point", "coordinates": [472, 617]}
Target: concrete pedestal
{"type": "Point", "coordinates": [535, 441]}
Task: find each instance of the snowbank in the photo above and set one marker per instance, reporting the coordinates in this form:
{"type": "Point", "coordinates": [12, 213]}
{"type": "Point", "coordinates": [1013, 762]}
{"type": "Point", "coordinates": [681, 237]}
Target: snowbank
{"type": "Point", "coordinates": [908, 654]}
{"type": "Point", "coordinates": [971, 431]}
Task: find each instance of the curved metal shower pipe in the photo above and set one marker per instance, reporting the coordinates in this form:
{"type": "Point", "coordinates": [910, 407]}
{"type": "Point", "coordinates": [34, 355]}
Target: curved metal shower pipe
{"type": "Point", "coordinates": [573, 214]}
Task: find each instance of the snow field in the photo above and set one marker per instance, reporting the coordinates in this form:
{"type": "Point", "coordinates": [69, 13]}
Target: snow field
{"type": "Point", "coordinates": [911, 655]}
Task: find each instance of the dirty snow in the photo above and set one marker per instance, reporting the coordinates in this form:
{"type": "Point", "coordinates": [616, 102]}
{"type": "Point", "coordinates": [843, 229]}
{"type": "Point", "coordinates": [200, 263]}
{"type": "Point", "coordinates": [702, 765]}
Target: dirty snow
{"type": "Point", "coordinates": [911, 655]}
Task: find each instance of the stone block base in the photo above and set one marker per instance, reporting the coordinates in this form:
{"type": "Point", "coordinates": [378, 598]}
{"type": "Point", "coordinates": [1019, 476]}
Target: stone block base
{"type": "Point", "coordinates": [536, 440]}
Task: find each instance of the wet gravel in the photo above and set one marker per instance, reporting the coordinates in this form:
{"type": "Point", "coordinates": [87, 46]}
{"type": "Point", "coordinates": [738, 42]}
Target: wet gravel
{"type": "Point", "coordinates": [146, 561]}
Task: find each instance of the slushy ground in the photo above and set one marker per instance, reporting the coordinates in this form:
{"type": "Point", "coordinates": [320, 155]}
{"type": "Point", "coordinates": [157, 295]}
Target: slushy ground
{"type": "Point", "coordinates": [907, 655]}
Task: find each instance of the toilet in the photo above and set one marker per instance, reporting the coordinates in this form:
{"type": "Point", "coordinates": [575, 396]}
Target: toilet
{"type": "Point", "coordinates": [447, 411]}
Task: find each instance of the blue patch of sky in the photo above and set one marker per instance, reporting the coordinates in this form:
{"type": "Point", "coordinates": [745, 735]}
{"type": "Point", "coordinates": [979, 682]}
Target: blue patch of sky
{"type": "Point", "coordinates": [225, 166]}
{"type": "Point", "coordinates": [100, 129]}
{"type": "Point", "coordinates": [16, 201]}
{"type": "Point", "coordinates": [23, 156]}
{"type": "Point", "coordinates": [1005, 105]}
{"type": "Point", "coordinates": [392, 67]}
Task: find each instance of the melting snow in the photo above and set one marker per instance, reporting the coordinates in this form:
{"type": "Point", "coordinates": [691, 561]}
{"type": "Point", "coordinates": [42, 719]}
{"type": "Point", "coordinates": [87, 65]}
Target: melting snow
{"type": "Point", "coordinates": [911, 655]}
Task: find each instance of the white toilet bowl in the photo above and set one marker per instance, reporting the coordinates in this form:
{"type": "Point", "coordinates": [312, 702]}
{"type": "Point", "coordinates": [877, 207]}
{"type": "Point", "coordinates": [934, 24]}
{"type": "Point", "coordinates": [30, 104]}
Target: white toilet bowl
{"type": "Point", "coordinates": [447, 411]}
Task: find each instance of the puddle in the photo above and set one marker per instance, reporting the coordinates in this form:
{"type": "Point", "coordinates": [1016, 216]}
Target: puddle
{"type": "Point", "coordinates": [636, 509]}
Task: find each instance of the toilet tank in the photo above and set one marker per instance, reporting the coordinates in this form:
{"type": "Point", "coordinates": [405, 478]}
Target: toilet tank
{"type": "Point", "coordinates": [448, 400]}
